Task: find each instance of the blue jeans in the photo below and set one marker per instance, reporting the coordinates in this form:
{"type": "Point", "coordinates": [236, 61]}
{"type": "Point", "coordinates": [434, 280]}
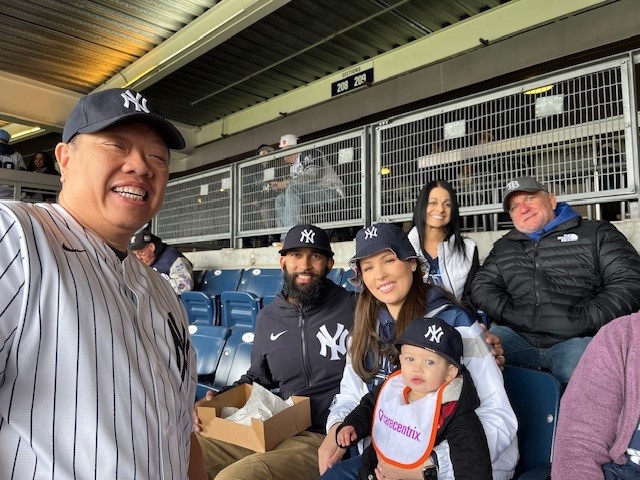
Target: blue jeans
{"type": "Point", "coordinates": [561, 359]}
{"type": "Point", "coordinates": [344, 470]}
{"type": "Point", "coordinates": [613, 471]}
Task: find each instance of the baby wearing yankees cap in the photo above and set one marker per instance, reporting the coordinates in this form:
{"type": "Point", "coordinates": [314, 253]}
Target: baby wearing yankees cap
{"type": "Point", "coordinates": [430, 398]}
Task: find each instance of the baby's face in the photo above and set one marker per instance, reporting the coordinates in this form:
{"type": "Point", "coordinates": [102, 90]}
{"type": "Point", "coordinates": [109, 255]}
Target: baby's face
{"type": "Point", "coordinates": [424, 371]}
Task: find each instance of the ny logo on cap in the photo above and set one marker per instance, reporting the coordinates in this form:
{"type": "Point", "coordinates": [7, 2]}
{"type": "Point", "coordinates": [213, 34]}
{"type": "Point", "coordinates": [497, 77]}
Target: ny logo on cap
{"type": "Point", "coordinates": [370, 233]}
{"type": "Point", "coordinates": [307, 236]}
{"type": "Point", "coordinates": [434, 334]}
{"type": "Point", "coordinates": [512, 185]}
{"type": "Point", "coordinates": [139, 102]}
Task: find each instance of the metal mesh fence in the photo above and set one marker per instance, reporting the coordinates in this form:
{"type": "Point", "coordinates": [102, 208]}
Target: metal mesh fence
{"type": "Point", "coordinates": [320, 183]}
{"type": "Point", "coordinates": [196, 208]}
{"type": "Point", "coordinates": [568, 132]}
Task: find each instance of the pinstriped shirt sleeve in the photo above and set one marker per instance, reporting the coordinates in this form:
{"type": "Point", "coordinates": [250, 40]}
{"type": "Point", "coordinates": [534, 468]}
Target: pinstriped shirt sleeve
{"type": "Point", "coordinates": [12, 280]}
{"type": "Point", "coordinates": [98, 375]}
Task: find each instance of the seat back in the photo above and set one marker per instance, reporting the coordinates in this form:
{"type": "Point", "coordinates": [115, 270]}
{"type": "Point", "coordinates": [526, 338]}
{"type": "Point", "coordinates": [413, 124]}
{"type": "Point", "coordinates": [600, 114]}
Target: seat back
{"type": "Point", "coordinates": [217, 281]}
{"type": "Point", "coordinates": [335, 275]}
{"type": "Point", "coordinates": [200, 307]}
{"type": "Point", "coordinates": [535, 398]}
{"type": "Point", "coordinates": [261, 281]}
{"type": "Point", "coordinates": [344, 282]}
{"type": "Point", "coordinates": [208, 341]}
{"type": "Point", "coordinates": [236, 357]}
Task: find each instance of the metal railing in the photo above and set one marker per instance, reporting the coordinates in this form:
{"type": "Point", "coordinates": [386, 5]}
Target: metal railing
{"type": "Point", "coordinates": [575, 130]}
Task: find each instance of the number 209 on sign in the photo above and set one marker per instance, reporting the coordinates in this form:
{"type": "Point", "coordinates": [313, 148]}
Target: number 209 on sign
{"type": "Point", "coordinates": [352, 82]}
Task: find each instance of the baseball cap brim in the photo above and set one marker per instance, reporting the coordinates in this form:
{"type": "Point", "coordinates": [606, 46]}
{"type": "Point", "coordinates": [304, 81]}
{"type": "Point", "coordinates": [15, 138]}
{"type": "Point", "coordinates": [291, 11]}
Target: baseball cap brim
{"type": "Point", "coordinates": [505, 202]}
{"type": "Point", "coordinates": [326, 251]}
{"type": "Point", "coordinates": [170, 134]}
{"type": "Point", "coordinates": [375, 248]}
{"type": "Point", "coordinates": [448, 358]}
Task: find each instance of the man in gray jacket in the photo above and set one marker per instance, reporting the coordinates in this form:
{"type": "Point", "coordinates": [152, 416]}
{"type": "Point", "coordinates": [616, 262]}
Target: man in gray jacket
{"type": "Point", "coordinates": [554, 280]}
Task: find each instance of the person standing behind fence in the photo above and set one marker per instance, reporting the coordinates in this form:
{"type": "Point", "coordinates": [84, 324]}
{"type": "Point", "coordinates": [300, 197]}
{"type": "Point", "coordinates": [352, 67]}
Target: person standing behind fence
{"type": "Point", "coordinates": [450, 260]}
{"type": "Point", "coordinates": [312, 182]}
{"type": "Point", "coordinates": [554, 280]}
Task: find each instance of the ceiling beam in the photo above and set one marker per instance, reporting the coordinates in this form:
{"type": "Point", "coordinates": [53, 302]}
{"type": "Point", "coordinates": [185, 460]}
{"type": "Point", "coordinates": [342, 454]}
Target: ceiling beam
{"type": "Point", "coordinates": [493, 25]}
{"type": "Point", "coordinates": [216, 25]}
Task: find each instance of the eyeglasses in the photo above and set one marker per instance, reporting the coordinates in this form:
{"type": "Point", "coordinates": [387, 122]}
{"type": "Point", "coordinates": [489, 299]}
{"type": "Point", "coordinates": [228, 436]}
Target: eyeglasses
{"type": "Point", "coordinates": [528, 200]}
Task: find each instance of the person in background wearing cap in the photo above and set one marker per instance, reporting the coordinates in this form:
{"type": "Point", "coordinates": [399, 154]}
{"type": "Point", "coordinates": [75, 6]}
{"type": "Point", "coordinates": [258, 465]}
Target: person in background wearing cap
{"type": "Point", "coordinates": [164, 259]}
{"type": "Point", "coordinates": [300, 348]}
{"type": "Point", "coordinates": [98, 373]}
{"type": "Point", "coordinates": [393, 294]}
{"type": "Point", "coordinates": [11, 159]}
{"type": "Point", "coordinates": [429, 399]}
{"type": "Point", "coordinates": [554, 280]}
{"type": "Point", "coordinates": [312, 181]}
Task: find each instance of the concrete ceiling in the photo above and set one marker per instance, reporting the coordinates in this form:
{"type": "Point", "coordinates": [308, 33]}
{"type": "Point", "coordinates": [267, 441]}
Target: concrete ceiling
{"type": "Point", "coordinates": [217, 68]}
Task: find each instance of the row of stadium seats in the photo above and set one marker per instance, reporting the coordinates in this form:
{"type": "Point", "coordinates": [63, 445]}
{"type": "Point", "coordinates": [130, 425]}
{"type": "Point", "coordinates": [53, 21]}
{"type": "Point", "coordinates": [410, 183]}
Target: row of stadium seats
{"type": "Point", "coordinates": [223, 348]}
{"type": "Point", "coordinates": [222, 315]}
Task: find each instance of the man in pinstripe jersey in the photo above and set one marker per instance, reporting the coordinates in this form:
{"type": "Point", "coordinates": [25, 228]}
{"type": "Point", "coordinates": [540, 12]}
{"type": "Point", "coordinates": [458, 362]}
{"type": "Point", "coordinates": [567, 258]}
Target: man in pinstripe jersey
{"type": "Point", "coordinates": [96, 368]}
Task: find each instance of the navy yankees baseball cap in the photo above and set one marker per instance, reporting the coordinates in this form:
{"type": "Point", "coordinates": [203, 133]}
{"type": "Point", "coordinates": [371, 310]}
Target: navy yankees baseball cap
{"type": "Point", "coordinates": [4, 136]}
{"type": "Point", "coordinates": [434, 334]}
{"type": "Point", "coordinates": [307, 236]}
{"type": "Point", "coordinates": [521, 184]}
{"type": "Point", "coordinates": [140, 239]}
{"type": "Point", "coordinates": [100, 110]}
{"type": "Point", "coordinates": [379, 237]}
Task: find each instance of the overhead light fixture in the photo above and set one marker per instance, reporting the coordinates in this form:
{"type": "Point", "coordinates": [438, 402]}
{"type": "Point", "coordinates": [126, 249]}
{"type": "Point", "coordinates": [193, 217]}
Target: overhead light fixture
{"type": "Point", "coordinates": [25, 133]}
{"type": "Point", "coordinates": [385, 171]}
{"type": "Point", "coordinates": [536, 91]}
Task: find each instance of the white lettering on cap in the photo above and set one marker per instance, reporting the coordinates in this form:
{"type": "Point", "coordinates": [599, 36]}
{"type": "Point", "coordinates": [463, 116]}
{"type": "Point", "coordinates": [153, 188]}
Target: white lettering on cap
{"type": "Point", "coordinates": [139, 102]}
{"type": "Point", "coordinates": [513, 185]}
{"type": "Point", "coordinates": [434, 333]}
{"type": "Point", "coordinates": [370, 233]}
{"type": "Point", "coordinates": [307, 236]}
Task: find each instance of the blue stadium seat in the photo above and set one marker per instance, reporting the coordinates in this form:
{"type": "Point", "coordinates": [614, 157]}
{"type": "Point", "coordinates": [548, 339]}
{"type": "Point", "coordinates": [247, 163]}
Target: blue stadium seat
{"type": "Point", "coordinates": [535, 398]}
{"type": "Point", "coordinates": [335, 275]}
{"type": "Point", "coordinates": [214, 282]}
{"type": "Point", "coordinates": [200, 308]}
{"type": "Point", "coordinates": [344, 282]}
{"type": "Point", "coordinates": [236, 357]}
{"type": "Point", "coordinates": [241, 307]}
{"type": "Point", "coordinates": [208, 342]}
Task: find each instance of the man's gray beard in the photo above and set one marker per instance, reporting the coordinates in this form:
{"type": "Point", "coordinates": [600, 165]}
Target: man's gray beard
{"type": "Point", "coordinates": [306, 295]}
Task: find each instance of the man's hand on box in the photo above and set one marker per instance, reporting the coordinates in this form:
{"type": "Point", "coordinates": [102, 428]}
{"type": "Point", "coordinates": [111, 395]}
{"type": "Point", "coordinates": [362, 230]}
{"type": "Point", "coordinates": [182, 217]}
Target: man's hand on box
{"type": "Point", "coordinates": [194, 416]}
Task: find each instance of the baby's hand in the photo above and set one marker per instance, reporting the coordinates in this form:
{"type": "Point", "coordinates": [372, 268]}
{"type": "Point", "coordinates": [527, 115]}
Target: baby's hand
{"type": "Point", "coordinates": [345, 436]}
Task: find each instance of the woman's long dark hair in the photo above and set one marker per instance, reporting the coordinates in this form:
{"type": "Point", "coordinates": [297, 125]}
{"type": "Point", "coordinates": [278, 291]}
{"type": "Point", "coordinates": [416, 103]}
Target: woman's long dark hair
{"type": "Point", "coordinates": [420, 215]}
{"type": "Point", "coordinates": [365, 339]}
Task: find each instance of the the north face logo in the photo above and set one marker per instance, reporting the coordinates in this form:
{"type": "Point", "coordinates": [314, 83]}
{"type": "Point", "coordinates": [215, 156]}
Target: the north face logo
{"type": "Point", "coordinates": [370, 232]}
{"type": "Point", "coordinates": [568, 237]}
{"type": "Point", "coordinates": [307, 236]}
{"type": "Point", "coordinates": [137, 101]}
{"type": "Point", "coordinates": [513, 185]}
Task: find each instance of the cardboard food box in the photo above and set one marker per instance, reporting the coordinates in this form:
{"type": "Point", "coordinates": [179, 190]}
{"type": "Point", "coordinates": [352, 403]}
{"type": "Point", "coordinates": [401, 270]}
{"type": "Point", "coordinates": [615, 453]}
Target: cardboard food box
{"type": "Point", "coordinates": [261, 436]}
